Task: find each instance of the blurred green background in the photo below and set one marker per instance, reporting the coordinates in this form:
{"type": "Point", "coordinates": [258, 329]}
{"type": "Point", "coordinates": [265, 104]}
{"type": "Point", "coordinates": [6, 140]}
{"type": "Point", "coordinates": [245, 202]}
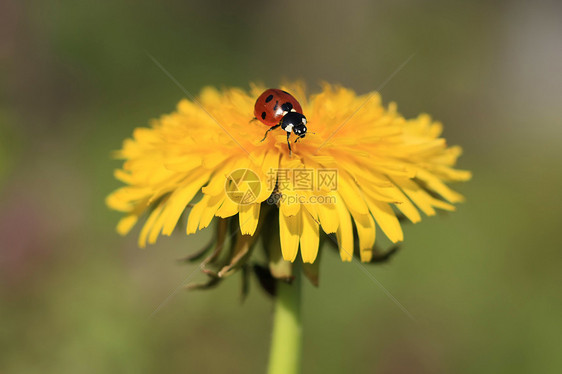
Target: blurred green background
{"type": "Point", "coordinates": [483, 283]}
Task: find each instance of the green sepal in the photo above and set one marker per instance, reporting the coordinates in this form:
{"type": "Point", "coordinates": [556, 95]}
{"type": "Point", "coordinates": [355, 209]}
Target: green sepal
{"type": "Point", "coordinates": [217, 243]}
{"type": "Point", "coordinates": [381, 257]}
{"type": "Point", "coordinates": [245, 289]}
{"type": "Point", "coordinates": [239, 254]}
{"type": "Point", "coordinates": [211, 283]}
{"type": "Point", "coordinates": [266, 280]}
{"type": "Point", "coordinates": [311, 271]}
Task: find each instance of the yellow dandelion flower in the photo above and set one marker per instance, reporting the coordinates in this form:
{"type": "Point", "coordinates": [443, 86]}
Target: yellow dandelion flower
{"type": "Point", "coordinates": [363, 166]}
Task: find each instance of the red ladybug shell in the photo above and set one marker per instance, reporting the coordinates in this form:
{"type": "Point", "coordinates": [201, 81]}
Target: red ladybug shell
{"type": "Point", "coordinates": [273, 104]}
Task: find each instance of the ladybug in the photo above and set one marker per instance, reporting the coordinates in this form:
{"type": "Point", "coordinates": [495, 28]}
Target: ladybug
{"type": "Point", "coordinates": [277, 108]}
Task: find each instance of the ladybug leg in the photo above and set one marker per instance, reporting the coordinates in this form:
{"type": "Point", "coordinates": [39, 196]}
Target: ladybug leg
{"type": "Point", "coordinates": [272, 128]}
{"type": "Point", "coordinates": [289, 144]}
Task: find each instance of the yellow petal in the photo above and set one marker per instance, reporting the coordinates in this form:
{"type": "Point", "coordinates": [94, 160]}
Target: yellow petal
{"type": "Point", "coordinates": [213, 205]}
{"type": "Point", "coordinates": [249, 215]}
{"type": "Point", "coordinates": [217, 182]}
{"type": "Point", "coordinates": [417, 194]}
{"type": "Point", "coordinates": [269, 175]}
{"type": "Point", "coordinates": [366, 231]}
{"type": "Point", "coordinates": [289, 232]}
{"type": "Point", "coordinates": [309, 239]}
{"type": "Point", "coordinates": [148, 225]}
{"type": "Point", "coordinates": [435, 184]}
{"type": "Point", "coordinates": [125, 224]}
{"type": "Point", "coordinates": [328, 215]}
{"type": "Point", "coordinates": [407, 208]}
{"type": "Point", "coordinates": [288, 205]}
{"type": "Point", "coordinates": [195, 214]}
{"type": "Point", "coordinates": [311, 206]}
{"type": "Point", "coordinates": [349, 191]}
{"type": "Point", "coordinates": [386, 219]}
{"type": "Point", "coordinates": [123, 176]}
{"type": "Point", "coordinates": [212, 160]}
{"type": "Point", "coordinates": [227, 209]}
{"type": "Point", "coordinates": [156, 227]}
{"type": "Point", "coordinates": [182, 163]}
{"type": "Point", "coordinates": [124, 198]}
{"type": "Point", "coordinates": [344, 233]}
{"type": "Point", "coordinates": [179, 199]}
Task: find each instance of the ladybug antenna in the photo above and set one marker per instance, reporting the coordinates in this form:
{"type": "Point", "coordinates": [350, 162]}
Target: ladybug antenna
{"type": "Point", "coordinates": [303, 135]}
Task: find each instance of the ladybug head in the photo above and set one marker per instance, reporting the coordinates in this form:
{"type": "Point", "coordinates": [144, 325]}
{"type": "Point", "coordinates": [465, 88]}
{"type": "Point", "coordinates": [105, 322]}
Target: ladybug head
{"type": "Point", "coordinates": [296, 122]}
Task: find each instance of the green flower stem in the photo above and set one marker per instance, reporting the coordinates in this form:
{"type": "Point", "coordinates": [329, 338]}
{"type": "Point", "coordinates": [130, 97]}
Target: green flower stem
{"type": "Point", "coordinates": [286, 343]}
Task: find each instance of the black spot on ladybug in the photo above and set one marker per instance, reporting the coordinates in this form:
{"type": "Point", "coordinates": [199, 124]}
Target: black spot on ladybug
{"type": "Point", "coordinates": [287, 107]}
{"type": "Point", "coordinates": [263, 115]}
{"type": "Point", "coordinates": [276, 106]}
{"type": "Point", "coordinates": [269, 98]}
